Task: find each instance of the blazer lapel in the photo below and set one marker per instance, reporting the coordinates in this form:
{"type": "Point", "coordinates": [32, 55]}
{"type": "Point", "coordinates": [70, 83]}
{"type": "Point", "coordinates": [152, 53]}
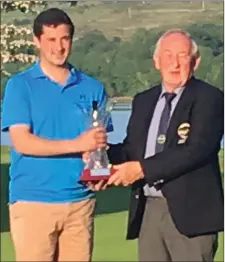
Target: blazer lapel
{"type": "Point", "coordinates": [150, 107]}
{"type": "Point", "coordinates": [185, 101]}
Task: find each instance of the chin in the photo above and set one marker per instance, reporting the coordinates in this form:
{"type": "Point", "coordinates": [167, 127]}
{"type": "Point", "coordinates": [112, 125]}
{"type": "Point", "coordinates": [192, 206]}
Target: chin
{"type": "Point", "coordinates": [59, 62]}
{"type": "Point", "coordinates": [175, 82]}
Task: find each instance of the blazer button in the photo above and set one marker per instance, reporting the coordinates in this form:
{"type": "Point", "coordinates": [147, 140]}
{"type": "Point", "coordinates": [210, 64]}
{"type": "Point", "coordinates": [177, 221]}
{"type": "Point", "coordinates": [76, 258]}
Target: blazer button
{"type": "Point", "coordinates": [137, 196]}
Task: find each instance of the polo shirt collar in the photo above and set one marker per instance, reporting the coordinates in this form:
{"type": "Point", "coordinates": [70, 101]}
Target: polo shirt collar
{"type": "Point", "coordinates": [73, 76]}
{"type": "Point", "coordinates": [37, 72]}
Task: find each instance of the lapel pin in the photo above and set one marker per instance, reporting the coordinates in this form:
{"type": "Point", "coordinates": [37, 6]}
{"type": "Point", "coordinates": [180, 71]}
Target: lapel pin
{"type": "Point", "coordinates": [161, 139]}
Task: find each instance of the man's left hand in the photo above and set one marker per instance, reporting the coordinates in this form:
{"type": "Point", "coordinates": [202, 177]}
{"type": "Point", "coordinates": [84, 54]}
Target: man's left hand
{"type": "Point", "coordinates": [126, 174]}
{"type": "Point", "coordinates": [97, 186]}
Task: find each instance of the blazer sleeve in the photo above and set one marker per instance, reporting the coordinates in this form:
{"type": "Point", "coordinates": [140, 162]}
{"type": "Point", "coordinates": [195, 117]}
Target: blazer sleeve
{"type": "Point", "coordinates": [206, 131]}
{"type": "Point", "coordinates": [119, 153]}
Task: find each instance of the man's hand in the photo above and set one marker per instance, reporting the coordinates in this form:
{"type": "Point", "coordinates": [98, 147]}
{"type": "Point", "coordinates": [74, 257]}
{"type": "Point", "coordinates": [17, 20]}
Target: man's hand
{"type": "Point", "coordinates": [97, 186]}
{"type": "Point", "coordinates": [92, 139]}
{"type": "Point", "coordinates": [126, 173]}
{"type": "Point", "coordinates": [85, 157]}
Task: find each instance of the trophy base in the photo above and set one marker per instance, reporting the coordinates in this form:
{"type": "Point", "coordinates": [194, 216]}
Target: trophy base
{"type": "Point", "coordinates": [96, 174]}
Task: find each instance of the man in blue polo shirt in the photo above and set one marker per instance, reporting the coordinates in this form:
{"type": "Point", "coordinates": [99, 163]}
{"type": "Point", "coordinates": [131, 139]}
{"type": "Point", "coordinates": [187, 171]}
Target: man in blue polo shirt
{"type": "Point", "coordinates": [51, 211]}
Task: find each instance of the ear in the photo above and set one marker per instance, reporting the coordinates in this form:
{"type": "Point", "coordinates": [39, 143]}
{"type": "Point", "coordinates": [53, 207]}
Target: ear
{"type": "Point", "coordinates": [195, 62]}
{"type": "Point", "coordinates": [36, 42]}
{"type": "Point", "coordinates": [156, 62]}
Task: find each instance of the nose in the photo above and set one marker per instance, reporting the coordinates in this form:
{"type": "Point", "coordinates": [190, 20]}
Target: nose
{"type": "Point", "coordinates": [59, 46]}
{"type": "Point", "coordinates": [175, 62]}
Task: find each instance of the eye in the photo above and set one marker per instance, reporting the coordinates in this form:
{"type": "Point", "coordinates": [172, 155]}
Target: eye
{"type": "Point", "coordinates": [52, 39]}
{"type": "Point", "coordinates": [184, 57]}
{"type": "Point", "coordinates": [168, 55]}
{"type": "Point", "coordinates": [67, 38]}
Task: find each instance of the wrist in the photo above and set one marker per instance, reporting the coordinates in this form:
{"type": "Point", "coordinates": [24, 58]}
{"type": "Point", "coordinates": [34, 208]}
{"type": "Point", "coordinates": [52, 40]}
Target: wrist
{"type": "Point", "coordinates": [139, 168]}
{"type": "Point", "coordinates": [76, 145]}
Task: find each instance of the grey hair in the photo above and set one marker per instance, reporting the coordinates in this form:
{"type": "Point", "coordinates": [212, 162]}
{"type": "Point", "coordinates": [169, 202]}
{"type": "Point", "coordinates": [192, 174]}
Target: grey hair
{"type": "Point", "coordinates": [194, 48]}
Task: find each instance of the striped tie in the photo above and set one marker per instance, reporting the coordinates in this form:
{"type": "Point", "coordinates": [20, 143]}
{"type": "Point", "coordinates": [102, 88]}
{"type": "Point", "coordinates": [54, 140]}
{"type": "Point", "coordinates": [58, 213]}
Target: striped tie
{"type": "Point", "coordinates": [164, 121]}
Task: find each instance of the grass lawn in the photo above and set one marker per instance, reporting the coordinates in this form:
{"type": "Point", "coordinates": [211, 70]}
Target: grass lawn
{"type": "Point", "coordinates": [110, 223]}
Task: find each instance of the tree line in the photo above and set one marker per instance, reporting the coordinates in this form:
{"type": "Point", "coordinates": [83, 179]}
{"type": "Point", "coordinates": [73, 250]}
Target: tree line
{"type": "Point", "coordinates": [125, 67]}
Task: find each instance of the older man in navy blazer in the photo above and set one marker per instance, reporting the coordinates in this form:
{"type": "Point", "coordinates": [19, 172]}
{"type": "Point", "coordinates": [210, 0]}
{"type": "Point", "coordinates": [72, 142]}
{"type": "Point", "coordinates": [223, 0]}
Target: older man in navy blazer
{"type": "Point", "coordinates": [170, 157]}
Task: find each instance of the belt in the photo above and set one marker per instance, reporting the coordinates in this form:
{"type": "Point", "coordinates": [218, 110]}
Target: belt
{"type": "Point", "coordinates": [156, 198]}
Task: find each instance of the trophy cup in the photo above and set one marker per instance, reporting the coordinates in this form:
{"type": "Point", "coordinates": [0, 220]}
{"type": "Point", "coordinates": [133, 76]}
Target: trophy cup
{"type": "Point", "coordinates": [98, 166]}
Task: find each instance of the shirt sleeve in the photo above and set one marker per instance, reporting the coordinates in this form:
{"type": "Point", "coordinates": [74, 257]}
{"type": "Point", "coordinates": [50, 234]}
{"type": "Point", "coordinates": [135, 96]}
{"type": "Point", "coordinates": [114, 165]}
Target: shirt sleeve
{"type": "Point", "coordinates": [16, 104]}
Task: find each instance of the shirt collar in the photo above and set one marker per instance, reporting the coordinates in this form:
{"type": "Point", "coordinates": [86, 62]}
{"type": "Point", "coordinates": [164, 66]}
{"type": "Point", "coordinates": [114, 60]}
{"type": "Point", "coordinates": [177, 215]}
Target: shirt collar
{"type": "Point", "coordinates": [177, 91]}
{"type": "Point", "coordinates": [36, 72]}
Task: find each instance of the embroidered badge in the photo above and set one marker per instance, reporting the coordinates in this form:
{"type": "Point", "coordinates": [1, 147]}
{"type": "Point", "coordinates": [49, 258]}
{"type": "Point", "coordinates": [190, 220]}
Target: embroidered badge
{"type": "Point", "coordinates": [183, 130]}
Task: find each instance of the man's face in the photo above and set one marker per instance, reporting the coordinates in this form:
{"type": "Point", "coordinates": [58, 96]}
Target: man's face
{"type": "Point", "coordinates": [175, 61]}
{"type": "Point", "coordinates": [54, 44]}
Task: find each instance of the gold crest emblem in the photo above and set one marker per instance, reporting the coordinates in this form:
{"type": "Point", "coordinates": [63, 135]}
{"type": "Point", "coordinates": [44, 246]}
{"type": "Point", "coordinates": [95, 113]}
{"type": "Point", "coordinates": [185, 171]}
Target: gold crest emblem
{"type": "Point", "coordinates": [183, 130]}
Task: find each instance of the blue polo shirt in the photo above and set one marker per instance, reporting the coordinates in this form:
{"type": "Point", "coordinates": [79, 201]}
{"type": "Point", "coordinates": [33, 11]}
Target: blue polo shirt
{"type": "Point", "coordinates": [52, 111]}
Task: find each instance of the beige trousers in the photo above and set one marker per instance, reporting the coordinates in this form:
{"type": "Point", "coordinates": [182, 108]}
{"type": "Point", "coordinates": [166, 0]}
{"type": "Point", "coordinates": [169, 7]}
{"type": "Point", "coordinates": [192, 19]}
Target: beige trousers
{"type": "Point", "coordinates": [52, 232]}
{"type": "Point", "coordinates": [159, 239]}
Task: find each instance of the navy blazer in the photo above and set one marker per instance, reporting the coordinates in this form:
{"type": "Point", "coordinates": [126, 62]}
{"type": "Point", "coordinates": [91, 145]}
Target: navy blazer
{"type": "Point", "coordinates": [187, 171]}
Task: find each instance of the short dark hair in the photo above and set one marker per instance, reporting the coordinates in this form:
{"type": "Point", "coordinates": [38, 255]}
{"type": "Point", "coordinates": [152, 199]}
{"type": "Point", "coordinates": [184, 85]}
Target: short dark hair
{"type": "Point", "coordinates": [52, 17]}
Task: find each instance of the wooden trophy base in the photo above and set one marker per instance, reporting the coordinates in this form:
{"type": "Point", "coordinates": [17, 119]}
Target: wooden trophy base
{"type": "Point", "coordinates": [96, 174]}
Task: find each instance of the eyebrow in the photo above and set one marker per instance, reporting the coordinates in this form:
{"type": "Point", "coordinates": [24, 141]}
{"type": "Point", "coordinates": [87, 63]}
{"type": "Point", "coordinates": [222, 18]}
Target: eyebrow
{"type": "Point", "coordinates": [181, 52]}
{"type": "Point", "coordinates": [53, 37]}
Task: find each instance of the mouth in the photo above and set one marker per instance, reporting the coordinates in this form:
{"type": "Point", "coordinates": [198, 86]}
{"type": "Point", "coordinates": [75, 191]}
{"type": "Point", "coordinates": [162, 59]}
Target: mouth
{"type": "Point", "coordinates": [175, 74]}
{"type": "Point", "coordinates": [59, 56]}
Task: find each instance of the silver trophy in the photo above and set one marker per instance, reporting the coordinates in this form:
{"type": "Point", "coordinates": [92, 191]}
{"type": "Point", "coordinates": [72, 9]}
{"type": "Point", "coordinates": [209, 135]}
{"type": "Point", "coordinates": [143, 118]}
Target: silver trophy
{"type": "Point", "coordinates": [98, 166]}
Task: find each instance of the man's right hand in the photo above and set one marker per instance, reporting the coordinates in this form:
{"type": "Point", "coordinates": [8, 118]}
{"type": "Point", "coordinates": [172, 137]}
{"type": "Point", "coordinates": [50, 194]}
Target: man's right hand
{"type": "Point", "coordinates": [92, 139]}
